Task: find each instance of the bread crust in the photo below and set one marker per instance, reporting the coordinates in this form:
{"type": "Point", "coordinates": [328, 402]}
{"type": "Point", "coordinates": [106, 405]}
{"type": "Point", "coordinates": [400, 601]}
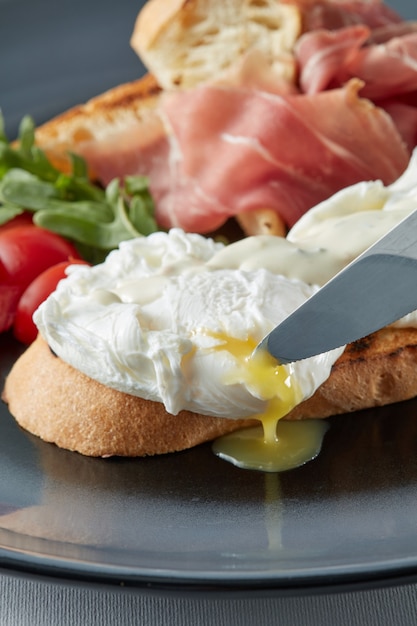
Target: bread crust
{"type": "Point", "coordinates": [377, 370]}
{"type": "Point", "coordinates": [59, 404]}
{"type": "Point", "coordinates": [188, 42]}
{"type": "Point", "coordinates": [112, 112]}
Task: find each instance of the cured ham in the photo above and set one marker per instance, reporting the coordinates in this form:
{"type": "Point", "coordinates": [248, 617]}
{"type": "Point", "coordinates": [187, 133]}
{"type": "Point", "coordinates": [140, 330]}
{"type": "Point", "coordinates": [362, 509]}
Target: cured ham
{"type": "Point", "coordinates": [230, 150]}
{"type": "Point", "coordinates": [385, 33]}
{"type": "Point", "coordinates": [335, 14]}
{"type": "Point", "coordinates": [139, 148]}
{"type": "Point", "coordinates": [389, 69]}
{"type": "Point", "coordinates": [324, 56]}
{"type": "Point", "coordinates": [257, 142]}
{"type": "Point", "coordinates": [234, 151]}
{"type": "Point", "coordinates": [330, 58]}
{"type": "Point", "coordinates": [404, 115]}
{"type": "Point", "coordinates": [381, 51]}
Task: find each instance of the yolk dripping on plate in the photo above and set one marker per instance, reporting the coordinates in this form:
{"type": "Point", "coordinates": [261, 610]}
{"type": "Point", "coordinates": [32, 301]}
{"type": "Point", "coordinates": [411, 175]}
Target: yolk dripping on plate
{"type": "Point", "coordinates": [275, 445]}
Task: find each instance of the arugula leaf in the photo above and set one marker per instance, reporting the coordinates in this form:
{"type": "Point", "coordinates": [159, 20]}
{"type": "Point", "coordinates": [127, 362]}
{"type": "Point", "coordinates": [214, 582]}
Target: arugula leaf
{"type": "Point", "coordinates": [95, 219]}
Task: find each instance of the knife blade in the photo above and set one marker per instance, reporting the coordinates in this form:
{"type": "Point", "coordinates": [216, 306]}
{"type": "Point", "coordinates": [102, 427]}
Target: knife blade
{"type": "Point", "coordinates": [376, 289]}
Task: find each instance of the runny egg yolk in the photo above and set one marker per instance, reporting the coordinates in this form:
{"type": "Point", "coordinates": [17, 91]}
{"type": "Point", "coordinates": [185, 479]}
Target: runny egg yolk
{"type": "Point", "coordinates": [275, 445]}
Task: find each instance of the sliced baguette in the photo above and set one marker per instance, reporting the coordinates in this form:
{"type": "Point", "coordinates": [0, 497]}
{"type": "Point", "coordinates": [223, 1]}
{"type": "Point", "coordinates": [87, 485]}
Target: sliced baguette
{"type": "Point", "coordinates": [201, 37]}
{"type": "Point", "coordinates": [101, 120]}
{"type": "Point", "coordinates": [61, 405]}
{"type": "Point", "coordinates": [187, 42]}
{"type": "Point", "coordinates": [375, 371]}
{"type": "Point", "coordinates": [183, 43]}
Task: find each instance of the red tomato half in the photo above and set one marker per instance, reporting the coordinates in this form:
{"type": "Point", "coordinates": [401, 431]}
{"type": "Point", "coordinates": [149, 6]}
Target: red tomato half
{"type": "Point", "coordinates": [26, 251]}
{"type": "Point", "coordinates": [23, 219]}
{"type": "Point", "coordinates": [9, 298]}
{"type": "Point", "coordinates": [39, 289]}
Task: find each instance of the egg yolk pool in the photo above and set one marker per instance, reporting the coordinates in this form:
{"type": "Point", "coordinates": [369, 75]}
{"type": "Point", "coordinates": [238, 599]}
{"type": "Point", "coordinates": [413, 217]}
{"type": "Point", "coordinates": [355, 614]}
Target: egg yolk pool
{"type": "Point", "coordinates": [275, 445]}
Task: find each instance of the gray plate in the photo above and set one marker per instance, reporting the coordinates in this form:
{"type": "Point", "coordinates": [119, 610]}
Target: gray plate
{"type": "Point", "coordinates": [188, 519]}
{"type": "Point", "coordinates": [192, 519]}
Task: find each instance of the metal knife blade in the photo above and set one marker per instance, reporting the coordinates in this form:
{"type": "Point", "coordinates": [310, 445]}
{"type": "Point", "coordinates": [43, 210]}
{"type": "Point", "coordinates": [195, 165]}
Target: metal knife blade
{"type": "Point", "coordinates": [376, 289]}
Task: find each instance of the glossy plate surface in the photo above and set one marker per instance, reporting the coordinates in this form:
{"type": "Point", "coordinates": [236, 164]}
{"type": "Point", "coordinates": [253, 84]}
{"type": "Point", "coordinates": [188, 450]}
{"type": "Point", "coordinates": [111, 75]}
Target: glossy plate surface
{"type": "Point", "coordinates": [190, 518]}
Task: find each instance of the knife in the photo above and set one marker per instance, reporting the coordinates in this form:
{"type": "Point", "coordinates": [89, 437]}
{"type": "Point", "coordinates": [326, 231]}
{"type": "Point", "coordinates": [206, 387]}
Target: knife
{"type": "Point", "coordinates": [376, 289]}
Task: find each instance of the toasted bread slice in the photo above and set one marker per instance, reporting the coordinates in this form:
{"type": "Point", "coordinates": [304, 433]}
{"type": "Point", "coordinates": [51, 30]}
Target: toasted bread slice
{"type": "Point", "coordinates": [185, 43]}
{"type": "Point", "coordinates": [202, 37]}
{"type": "Point", "coordinates": [107, 116]}
{"type": "Point", "coordinates": [59, 404]}
{"type": "Point", "coordinates": [130, 112]}
{"type": "Point", "coordinates": [377, 370]}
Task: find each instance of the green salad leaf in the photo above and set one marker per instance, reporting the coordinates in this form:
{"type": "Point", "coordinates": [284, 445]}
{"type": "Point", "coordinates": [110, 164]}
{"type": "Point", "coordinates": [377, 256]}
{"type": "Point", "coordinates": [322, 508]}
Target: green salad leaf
{"type": "Point", "coordinates": [95, 219]}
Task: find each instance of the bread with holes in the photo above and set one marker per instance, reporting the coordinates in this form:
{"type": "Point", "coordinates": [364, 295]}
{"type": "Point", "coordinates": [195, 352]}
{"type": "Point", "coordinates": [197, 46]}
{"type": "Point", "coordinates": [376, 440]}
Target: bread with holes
{"type": "Point", "coordinates": [184, 43]}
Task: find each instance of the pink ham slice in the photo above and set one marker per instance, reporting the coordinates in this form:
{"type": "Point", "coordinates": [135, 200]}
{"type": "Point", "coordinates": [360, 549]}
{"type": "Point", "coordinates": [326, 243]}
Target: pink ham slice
{"type": "Point", "coordinates": [330, 58]}
{"type": "Point", "coordinates": [389, 69]}
{"type": "Point", "coordinates": [138, 147]}
{"type": "Point", "coordinates": [323, 56]}
{"type": "Point", "coordinates": [235, 151]}
{"type": "Point", "coordinates": [334, 14]}
{"type": "Point", "coordinates": [244, 146]}
{"type": "Point", "coordinates": [403, 111]}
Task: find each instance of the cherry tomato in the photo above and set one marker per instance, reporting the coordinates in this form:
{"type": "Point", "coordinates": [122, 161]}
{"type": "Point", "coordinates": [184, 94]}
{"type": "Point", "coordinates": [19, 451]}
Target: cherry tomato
{"type": "Point", "coordinates": [39, 289]}
{"type": "Point", "coordinates": [23, 219]}
{"type": "Point", "coordinates": [25, 251]}
{"type": "Point", "coordinates": [9, 298]}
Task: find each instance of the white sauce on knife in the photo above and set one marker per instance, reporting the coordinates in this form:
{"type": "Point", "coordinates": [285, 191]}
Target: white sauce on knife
{"type": "Point", "coordinates": [174, 317]}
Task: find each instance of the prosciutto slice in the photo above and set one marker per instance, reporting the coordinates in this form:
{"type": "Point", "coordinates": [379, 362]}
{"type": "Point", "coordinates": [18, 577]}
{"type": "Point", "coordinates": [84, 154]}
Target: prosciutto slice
{"type": "Point", "coordinates": [389, 69]}
{"type": "Point", "coordinates": [385, 33]}
{"type": "Point", "coordinates": [404, 114]}
{"type": "Point", "coordinates": [234, 151]}
{"type": "Point", "coordinates": [329, 58]}
{"type": "Point", "coordinates": [324, 56]}
{"type": "Point", "coordinates": [334, 14]}
{"type": "Point", "coordinates": [255, 142]}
